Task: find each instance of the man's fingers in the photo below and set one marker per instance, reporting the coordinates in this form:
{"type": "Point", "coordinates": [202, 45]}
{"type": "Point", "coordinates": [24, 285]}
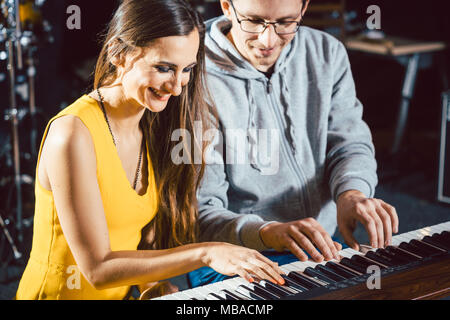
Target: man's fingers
{"type": "Point", "coordinates": [293, 247]}
{"type": "Point", "coordinates": [305, 243]}
{"type": "Point", "coordinates": [371, 228]}
{"type": "Point", "coordinates": [387, 225]}
{"type": "Point", "coordinates": [393, 215]}
{"type": "Point", "coordinates": [347, 234]}
{"type": "Point", "coordinates": [331, 244]}
{"type": "Point", "coordinates": [337, 245]}
{"type": "Point", "coordinates": [321, 243]}
{"type": "Point", "coordinates": [379, 226]}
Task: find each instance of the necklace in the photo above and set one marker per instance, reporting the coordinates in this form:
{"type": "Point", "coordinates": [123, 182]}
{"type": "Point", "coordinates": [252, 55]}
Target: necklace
{"type": "Point", "coordinates": [138, 169]}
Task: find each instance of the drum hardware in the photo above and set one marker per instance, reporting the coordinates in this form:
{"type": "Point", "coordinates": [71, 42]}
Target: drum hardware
{"type": "Point", "coordinates": [3, 224]}
{"type": "Point", "coordinates": [21, 31]}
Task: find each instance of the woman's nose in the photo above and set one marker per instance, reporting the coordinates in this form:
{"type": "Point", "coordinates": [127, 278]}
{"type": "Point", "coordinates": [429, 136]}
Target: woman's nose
{"type": "Point", "coordinates": [175, 85]}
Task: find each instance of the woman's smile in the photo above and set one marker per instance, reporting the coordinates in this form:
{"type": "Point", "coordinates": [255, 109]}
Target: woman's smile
{"type": "Point", "coordinates": [159, 95]}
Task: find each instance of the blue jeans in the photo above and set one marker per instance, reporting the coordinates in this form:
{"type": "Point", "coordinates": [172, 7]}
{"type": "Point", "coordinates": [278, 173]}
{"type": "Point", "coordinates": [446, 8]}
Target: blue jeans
{"type": "Point", "coordinates": [206, 275]}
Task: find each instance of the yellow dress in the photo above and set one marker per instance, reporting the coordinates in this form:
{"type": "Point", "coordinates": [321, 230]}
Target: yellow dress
{"type": "Point", "coordinates": [51, 272]}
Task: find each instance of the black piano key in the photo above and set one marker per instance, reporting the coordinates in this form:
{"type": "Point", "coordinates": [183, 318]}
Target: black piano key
{"type": "Point", "coordinates": [366, 262]}
{"type": "Point", "coordinates": [259, 289]}
{"type": "Point", "coordinates": [291, 283]}
{"type": "Point", "coordinates": [277, 289]}
{"type": "Point", "coordinates": [437, 237]}
{"type": "Point", "coordinates": [405, 255]}
{"type": "Point", "coordinates": [396, 258]}
{"type": "Point", "coordinates": [422, 252]}
{"type": "Point", "coordinates": [330, 272]}
{"type": "Point", "coordinates": [426, 247]}
{"type": "Point", "coordinates": [341, 270]}
{"type": "Point", "coordinates": [214, 296]}
{"type": "Point", "coordinates": [442, 237]}
{"type": "Point", "coordinates": [406, 246]}
{"type": "Point", "coordinates": [318, 275]}
{"type": "Point", "coordinates": [435, 243]}
{"type": "Point", "coordinates": [230, 295]}
{"type": "Point", "coordinates": [304, 281]}
{"type": "Point", "coordinates": [353, 265]}
{"type": "Point", "coordinates": [445, 243]}
{"type": "Point", "coordinates": [378, 258]}
{"type": "Point", "coordinates": [246, 291]}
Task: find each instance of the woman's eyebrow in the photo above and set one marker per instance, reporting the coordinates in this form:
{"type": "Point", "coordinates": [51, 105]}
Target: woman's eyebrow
{"type": "Point", "coordinates": [173, 65]}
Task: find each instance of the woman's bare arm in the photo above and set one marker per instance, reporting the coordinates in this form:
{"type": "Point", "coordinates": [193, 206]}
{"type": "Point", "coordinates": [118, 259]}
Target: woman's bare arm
{"type": "Point", "coordinates": [68, 161]}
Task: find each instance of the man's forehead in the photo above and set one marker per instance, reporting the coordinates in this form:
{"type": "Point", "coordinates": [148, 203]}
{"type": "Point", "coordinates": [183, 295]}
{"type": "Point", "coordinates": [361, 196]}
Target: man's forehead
{"type": "Point", "coordinates": [269, 9]}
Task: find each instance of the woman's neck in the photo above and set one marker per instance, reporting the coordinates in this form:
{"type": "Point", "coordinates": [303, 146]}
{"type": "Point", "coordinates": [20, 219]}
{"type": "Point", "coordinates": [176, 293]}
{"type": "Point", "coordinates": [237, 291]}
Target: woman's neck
{"type": "Point", "coordinates": [123, 114]}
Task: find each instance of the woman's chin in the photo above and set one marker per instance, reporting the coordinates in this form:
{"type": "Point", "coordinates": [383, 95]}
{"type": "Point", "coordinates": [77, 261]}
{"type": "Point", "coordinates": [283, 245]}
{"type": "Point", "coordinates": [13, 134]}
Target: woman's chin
{"type": "Point", "coordinates": [153, 103]}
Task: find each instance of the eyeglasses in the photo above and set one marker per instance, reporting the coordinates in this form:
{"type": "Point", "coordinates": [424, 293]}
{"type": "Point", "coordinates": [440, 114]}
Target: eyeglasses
{"type": "Point", "coordinates": [259, 26]}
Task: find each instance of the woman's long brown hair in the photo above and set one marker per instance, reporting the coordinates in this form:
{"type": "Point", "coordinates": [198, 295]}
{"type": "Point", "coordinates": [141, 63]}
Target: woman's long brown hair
{"type": "Point", "coordinates": [135, 24]}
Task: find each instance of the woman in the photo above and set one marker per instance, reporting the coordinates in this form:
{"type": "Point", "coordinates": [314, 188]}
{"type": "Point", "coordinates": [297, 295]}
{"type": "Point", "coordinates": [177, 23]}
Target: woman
{"type": "Point", "coordinates": [105, 168]}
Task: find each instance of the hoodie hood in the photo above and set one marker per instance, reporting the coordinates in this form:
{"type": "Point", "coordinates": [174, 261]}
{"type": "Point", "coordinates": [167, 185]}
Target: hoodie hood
{"type": "Point", "coordinates": [223, 57]}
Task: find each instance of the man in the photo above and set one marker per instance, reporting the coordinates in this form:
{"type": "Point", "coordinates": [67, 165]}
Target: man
{"type": "Point", "coordinates": [265, 72]}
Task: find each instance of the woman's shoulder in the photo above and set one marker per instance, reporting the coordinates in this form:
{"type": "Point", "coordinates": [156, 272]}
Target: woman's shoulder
{"type": "Point", "coordinates": [83, 106]}
{"type": "Point", "coordinates": [73, 121]}
{"type": "Point", "coordinates": [69, 133]}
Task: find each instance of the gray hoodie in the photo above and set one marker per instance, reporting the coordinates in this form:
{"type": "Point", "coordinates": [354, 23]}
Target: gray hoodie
{"type": "Point", "coordinates": [305, 140]}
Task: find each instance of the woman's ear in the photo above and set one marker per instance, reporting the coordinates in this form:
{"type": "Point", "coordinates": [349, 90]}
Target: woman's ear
{"type": "Point", "coordinates": [115, 53]}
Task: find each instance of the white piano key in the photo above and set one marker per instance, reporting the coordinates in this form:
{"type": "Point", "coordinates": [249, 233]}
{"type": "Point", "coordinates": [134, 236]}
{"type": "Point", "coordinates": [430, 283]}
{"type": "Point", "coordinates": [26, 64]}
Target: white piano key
{"type": "Point", "coordinates": [179, 296]}
{"type": "Point", "coordinates": [346, 254]}
{"type": "Point", "coordinates": [190, 293]}
{"type": "Point", "coordinates": [289, 267]}
{"type": "Point", "coordinates": [297, 266]}
{"type": "Point", "coordinates": [396, 241]}
{"type": "Point", "coordinates": [403, 238]}
{"type": "Point", "coordinates": [232, 286]}
{"type": "Point", "coordinates": [204, 291]}
{"type": "Point", "coordinates": [284, 269]}
{"type": "Point", "coordinates": [310, 264]}
{"type": "Point", "coordinates": [229, 284]}
{"type": "Point", "coordinates": [445, 224]}
{"type": "Point", "coordinates": [211, 296]}
{"type": "Point", "coordinates": [419, 234]}
{"type": "Point", "coordinates": [439, 228]}
{"type": "Point", "coordinates": [353, 252]}
{"type": "Point", "coordinates": [410, 236]}
{"type": "Point", "coordinates": [214, 287]}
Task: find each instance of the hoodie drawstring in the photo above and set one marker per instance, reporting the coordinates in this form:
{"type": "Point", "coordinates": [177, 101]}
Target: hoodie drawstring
{"type": "Point", "coordinates": [291, 128]}
{"type": "Point", "coordinates": [252, 132]}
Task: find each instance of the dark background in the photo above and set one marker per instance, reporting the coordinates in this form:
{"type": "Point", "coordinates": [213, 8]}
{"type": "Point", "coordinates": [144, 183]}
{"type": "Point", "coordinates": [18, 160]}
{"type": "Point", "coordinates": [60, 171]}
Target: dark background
{"type": "Point", "coordinates": [408, 180]}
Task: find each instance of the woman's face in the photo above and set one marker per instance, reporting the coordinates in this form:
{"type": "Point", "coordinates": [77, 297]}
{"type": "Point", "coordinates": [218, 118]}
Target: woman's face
{"type": "Point", "coordinates": [160, 71]}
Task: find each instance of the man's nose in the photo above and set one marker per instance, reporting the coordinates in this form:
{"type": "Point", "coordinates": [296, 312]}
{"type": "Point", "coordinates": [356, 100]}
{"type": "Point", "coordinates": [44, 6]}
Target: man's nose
{"type": "Point", "coordinates": [268, 37]}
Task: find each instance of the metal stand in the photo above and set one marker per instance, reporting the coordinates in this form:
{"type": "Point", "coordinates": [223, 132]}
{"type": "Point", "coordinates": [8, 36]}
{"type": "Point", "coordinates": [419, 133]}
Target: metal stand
{"type": "Point", "coordinates": [12, 115]}
{"type": "Point", "coordinates": [407, 94]}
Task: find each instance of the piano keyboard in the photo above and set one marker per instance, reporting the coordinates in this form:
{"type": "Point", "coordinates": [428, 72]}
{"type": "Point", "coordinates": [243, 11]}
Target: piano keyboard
{"type": "Point", "coordinates": [305, 280]}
